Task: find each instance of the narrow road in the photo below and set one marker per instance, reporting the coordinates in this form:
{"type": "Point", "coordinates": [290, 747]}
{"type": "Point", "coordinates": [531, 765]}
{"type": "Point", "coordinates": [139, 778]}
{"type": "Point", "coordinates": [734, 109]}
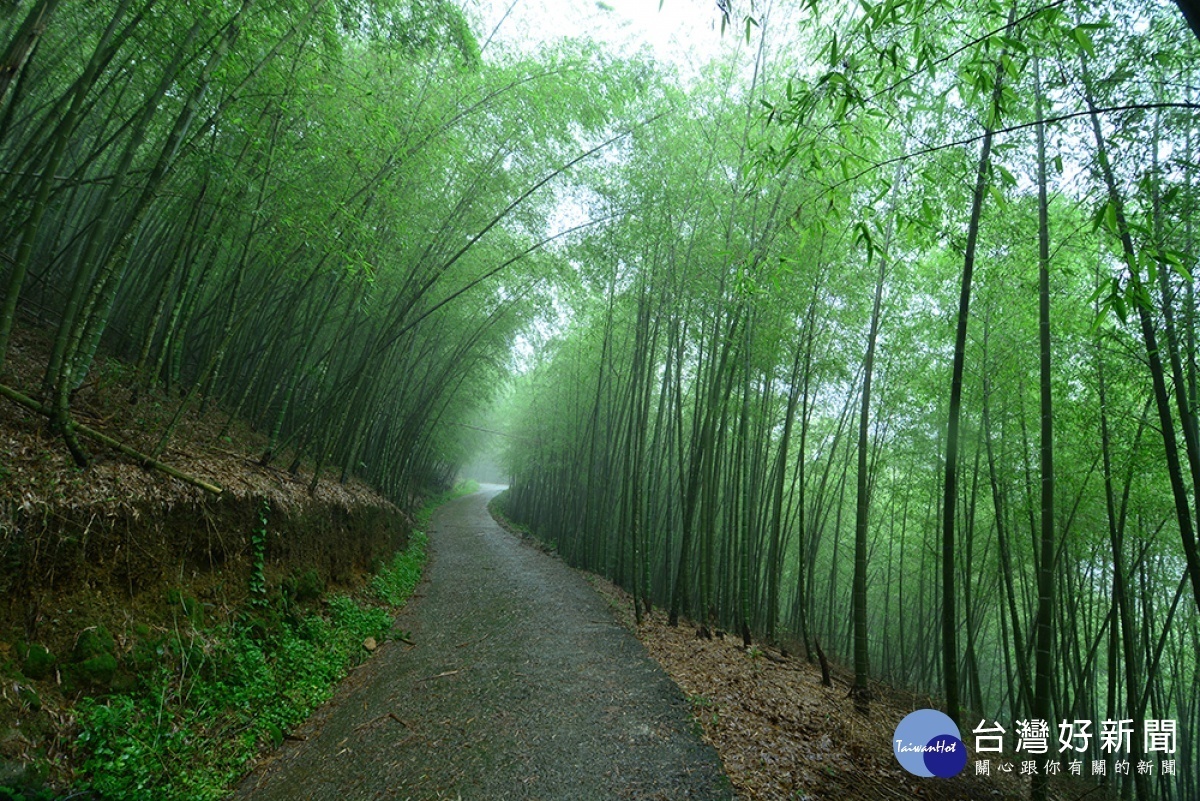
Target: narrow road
{"type": "Point", "coordinates": [519, 684]}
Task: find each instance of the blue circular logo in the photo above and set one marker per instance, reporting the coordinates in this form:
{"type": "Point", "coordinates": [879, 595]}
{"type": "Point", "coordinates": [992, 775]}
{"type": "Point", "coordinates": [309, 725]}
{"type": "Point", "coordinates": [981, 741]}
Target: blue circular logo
{"type": "Point", "coordinates": [927, 743]}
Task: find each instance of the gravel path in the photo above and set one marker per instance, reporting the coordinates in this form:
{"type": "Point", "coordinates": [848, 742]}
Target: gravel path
{"type": "Point", "coordinates": [519, 685]}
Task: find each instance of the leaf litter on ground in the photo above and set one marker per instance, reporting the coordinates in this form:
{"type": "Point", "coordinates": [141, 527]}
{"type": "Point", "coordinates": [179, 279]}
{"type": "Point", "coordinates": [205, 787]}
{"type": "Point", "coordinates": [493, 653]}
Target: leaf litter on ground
{"type": "Point", "coordinates": [780, 733]}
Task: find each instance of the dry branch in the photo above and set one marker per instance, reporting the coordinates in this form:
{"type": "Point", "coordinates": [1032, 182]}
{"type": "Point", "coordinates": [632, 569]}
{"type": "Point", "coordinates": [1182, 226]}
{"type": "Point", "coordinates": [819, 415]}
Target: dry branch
{"type": "Point", "coordinates": [91, 433]}
{"type": "Point", "coordinates": [372, 721]}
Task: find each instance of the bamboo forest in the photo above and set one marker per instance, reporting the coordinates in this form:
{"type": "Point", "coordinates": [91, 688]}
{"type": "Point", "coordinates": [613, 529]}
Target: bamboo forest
{"type": "Point", "coordinates": [859, 334]}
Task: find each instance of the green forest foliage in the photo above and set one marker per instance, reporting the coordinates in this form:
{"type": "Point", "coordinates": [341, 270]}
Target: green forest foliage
{"type": "Point", "coordinates": [694, 433]}
{"type": "Point", "coordinates": [340, 220]}
{"type": "Point", "coordinates": [325, 217]}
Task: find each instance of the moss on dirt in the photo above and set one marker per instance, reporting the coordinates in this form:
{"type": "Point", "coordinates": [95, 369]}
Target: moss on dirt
{"type": "Point", "coordinates": [306, 587]}
{"type": "Point", "coordinates": [93, 642]}
{"type": "Point", "coordinates": [37, 661]}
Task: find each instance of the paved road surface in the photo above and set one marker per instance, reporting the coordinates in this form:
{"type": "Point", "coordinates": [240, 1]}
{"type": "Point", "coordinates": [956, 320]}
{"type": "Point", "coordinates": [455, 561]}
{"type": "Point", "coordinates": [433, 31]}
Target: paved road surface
{"type": "Point", "coordinates": [519, 684]}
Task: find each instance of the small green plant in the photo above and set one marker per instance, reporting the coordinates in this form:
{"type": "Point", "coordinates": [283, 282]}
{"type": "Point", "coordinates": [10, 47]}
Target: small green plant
{"type": "Point", "coordinates": [699, 705]}
{"type": "Point", "coordinates": [258, 558]}
{"type": "Point", "coordinates": [191, 608]}
{"type": "Point", "coordinates": [203, 713]}
{"type": "Point", "coordinates": [8, 793]}
{"type": "Point", "coordinates": [395, 583]}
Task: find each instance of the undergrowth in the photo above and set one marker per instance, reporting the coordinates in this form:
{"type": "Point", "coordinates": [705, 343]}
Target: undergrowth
{"type": "Point", "coordinates": [457, 491]}
{"type": "Point", "coordinates": [190, 730]}
{"type": "Point", "coordinates": [221, 694]}
{"type": "Point", "coordinates": [395, 584]}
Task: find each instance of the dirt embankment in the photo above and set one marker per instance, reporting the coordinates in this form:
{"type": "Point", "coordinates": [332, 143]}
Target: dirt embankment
{"type": "Point", "coordinates": [66, 563]}
{"type": "Point", "coordinates": [95, 563]}
{"type": "Point", "coordinates": [137, 571]}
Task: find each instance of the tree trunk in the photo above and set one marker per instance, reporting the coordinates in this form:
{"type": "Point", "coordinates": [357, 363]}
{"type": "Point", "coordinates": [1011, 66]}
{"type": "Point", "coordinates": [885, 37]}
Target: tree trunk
{"type": "Point", "coordinates": [1138, 292]}
{"type": "Point", "coordinates": [950, 487]}
{"type": "Point", "coordinates": [1043, 707]}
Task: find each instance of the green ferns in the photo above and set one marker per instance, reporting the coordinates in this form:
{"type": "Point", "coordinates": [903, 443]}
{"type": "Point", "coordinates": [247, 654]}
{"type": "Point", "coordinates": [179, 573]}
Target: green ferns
{"type": "Point", "coordinates": [230, 691]}
{"type": "Point", "coordinates": [188, 733]}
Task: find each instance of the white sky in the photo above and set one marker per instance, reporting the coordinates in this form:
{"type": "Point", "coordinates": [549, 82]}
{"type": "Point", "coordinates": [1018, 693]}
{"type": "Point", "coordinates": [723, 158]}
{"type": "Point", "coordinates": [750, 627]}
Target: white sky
{"type": "Point", "coordinates": [685, 32]}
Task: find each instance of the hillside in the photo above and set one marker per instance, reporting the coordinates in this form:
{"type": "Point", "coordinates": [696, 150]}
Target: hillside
{"type": "Point", "coordinates": [142, 568]}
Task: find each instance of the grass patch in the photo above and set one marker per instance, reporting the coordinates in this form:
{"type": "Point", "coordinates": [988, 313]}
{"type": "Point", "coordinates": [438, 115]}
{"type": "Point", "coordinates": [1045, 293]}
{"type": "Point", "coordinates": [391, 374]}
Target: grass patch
{"type": "Point", "coordinates": [394, 584]}
{"type": "Point", "coordinates": [499, 512]}
{"type": "Point", "coordinates": [498, 509]}
{"type": "Point", "coordinates": [231, 690]}
{"type": "Point", "coordinates": [431, 505]}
